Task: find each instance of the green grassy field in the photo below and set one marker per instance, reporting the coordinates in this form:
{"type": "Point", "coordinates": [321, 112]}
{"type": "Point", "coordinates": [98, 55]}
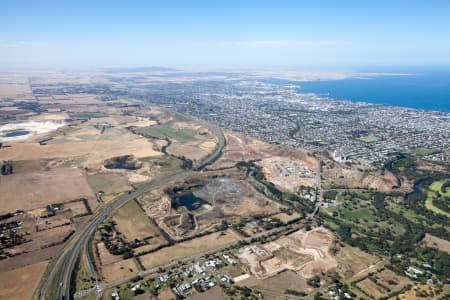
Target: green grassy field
{"type": "Point", "coordinates": [407, 213]}
{"type": "Point", "coordinates": [368, 139]}
{"type": "Point", "coordinates": [182, 135]}
{"type": "Point", "coordinates": [432, 189]}
{"type": "Point", "coordinates": [356, 209]}
{"type": "Point", "coordinates": [166, 163]}
{"type": "Point", "coordinates": [423, 151]}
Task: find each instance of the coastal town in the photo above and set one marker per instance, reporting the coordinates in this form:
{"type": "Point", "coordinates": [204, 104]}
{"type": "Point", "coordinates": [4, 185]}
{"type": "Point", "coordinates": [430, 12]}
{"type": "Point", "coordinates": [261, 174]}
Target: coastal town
{"type": "Point", "coordinates": [283, 114]}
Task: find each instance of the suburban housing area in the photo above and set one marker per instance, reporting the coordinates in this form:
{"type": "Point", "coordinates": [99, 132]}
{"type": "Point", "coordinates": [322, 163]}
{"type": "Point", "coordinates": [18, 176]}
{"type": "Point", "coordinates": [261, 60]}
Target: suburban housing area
{"type": "Point", "coordinates": [161, 184]}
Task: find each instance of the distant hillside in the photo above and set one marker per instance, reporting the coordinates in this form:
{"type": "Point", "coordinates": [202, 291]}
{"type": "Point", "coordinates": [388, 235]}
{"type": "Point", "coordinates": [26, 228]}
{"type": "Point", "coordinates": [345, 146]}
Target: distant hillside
{"type": "Point", "coordinates": [139, 69]}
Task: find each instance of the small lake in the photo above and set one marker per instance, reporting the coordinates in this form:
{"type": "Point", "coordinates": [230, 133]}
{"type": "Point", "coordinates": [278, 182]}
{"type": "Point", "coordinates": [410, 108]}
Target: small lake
{"type": "Point", "coordinates": [18, 132]}
{"type": "Point", "coordinates": [417, 188]}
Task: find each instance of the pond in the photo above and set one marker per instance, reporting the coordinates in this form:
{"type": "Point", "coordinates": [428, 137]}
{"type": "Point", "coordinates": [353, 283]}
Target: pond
{"type": "Point", "coordinates": [126, 162]}
{"type": "Point", "coordinates": [189, 200]}
{"type": "Point", "coordinates": [18, 132]}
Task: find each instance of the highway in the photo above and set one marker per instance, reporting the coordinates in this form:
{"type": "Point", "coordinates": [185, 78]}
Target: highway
{"type": "Point", "coordinates": [66, 262]}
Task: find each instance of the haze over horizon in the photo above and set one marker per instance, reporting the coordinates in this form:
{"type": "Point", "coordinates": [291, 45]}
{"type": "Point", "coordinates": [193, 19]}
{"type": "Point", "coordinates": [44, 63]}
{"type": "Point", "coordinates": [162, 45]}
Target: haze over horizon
{"type": "Point", "coordinates": [200, 34]}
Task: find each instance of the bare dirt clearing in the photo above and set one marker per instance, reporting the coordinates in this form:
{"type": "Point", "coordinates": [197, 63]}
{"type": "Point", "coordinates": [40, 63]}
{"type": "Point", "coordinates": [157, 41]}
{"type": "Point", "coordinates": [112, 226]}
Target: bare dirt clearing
{"type": "Point", "coordinates": [286, 280]}
{"type": "Point", "coordinates": [215, 293]}
{"type": "Point", "coordinates": [306, 253]}
{"type": "Point", "coordinates": [30, 128]}
{"type": "Point", "coordinates": [289, 174]}
{"type": "Point", "coordinates": [353, 261]}
{"type": "Point", "coordinates": [437, 243]}
{"type": "Point", "coordinates": [355, 176]}
{"type": "Point", "coordinates": [94, 152]}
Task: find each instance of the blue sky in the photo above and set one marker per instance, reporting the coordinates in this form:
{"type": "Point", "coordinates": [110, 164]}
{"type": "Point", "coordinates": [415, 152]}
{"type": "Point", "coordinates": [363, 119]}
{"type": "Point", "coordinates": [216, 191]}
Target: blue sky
{"type": "Point", "coordinates": [224, 34]}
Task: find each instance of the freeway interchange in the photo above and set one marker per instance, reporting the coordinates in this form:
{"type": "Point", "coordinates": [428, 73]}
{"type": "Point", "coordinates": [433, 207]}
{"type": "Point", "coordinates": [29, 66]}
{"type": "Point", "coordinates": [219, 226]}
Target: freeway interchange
{"type": "Point", "coordinates": [61, 269]}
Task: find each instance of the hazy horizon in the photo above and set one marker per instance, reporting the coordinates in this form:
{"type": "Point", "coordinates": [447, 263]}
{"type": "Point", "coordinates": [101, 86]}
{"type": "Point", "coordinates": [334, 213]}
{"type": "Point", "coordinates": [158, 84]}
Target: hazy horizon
{"type": "Point", "coordinates": [202, 35]}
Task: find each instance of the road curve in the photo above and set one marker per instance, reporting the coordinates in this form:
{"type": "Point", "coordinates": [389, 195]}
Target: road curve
{"type": "Point", "coordinates": [67, 260]}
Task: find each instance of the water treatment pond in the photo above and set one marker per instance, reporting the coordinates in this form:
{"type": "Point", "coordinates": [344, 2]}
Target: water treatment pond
{"type": "Point", "coordinates": [15, 133]}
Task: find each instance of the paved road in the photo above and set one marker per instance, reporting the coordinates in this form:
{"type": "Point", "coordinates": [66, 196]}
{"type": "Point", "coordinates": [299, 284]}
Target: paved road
{"type": "Point", "coordinates": [66, 262]}
{"type": "Point", "coordinates": [318, 201]}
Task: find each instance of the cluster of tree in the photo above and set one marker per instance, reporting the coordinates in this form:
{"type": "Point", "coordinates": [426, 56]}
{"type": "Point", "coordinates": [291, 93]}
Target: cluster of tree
{"type": "Point", "coordinates": [7, 168]}
{"type": "Point", "coordinates": [439, 260]}
{"type": "Point", "coordinates": [445, 186]}
{"type": "Point", "coordinates": [187, 163]}
{"type": "Point", "coordinates": [73, 278]}
{"type": "Point", "coordinates": [241, 292]}
{"type": "Point", "coordinates": [442, 203]}
{"type": "Point", "coordinates": [406, 244]}
{"type": "Point", "coordinates": [314, 281]}
{"type": "Point", "coordinates": [6, 216]}
{"type": "Point", "coordinates": [296, 293]}
{"type": "Point", "coordinates": [10, 238]}
{"type": "Point", "coordinates": [113, 242]}
{"type": "Point", "coordinates": [330, 194]}
{"type": "Point", "coordinates": [416, 203]}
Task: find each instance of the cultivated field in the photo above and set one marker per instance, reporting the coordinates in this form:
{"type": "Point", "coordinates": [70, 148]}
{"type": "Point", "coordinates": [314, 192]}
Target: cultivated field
{"type": "Point", "coordinates": [94, 152]}
{"type": "Point", "coordinates": [382, 284]}
{"type": "Point", "coordinates": [215, 293]}
{"type": "Point", "coordinates": [108, 183]}
{"type": "Point", "coordinates": [38, 189]}
{"type": "Point", "coordinates": [182, 135]}
{"type": "Point", "coordinates": [119, 269]}
{"type": "Point", "coordinates": [42, 239]}
{"type": "Point", "coordinates": [133, 223]}
{"type": "Point", "coordinates": [20, 284]}
{"type": "Point", "coordinates": [15, 86]}
{"type": "Point", "coordinates": [77, 208]}
{"type": "Point", "coordinates": [106, 258]}
{"type": "Point", "coordinates": [188, 248]}
{"type": "Point", "coordinates": [372, 289]}
{"type": "Point", "coordinates": [187, 139]}
{"type": "Point", "coordinates": [286, 280]}
{"type": "Point", "coordinates": [29, 258]}
{"type": "Point", "coordinates": [286, 218]}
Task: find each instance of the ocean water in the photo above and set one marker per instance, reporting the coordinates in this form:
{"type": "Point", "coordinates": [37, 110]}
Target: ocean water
{"type": "Point", "coordinates": [421, 90]}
